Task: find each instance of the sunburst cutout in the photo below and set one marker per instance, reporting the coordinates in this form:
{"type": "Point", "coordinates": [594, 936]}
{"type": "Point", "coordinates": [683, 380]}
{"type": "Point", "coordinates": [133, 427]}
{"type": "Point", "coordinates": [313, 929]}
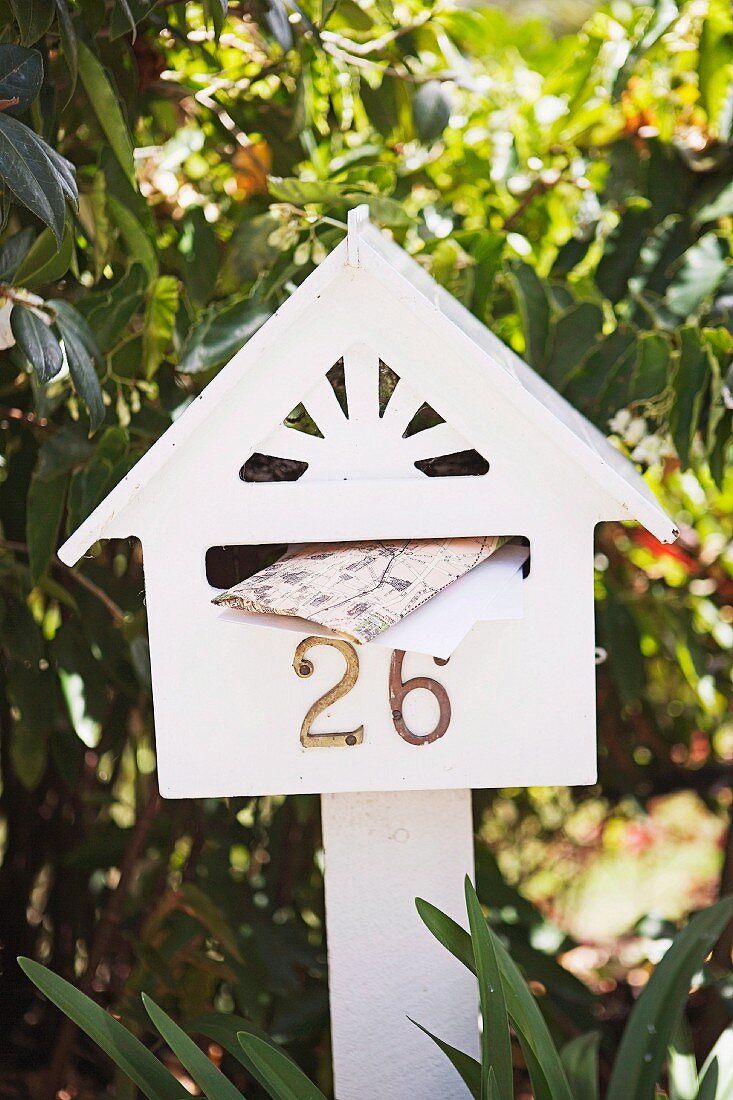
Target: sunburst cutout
{"type": "Point", "coordinates": [370, 424]}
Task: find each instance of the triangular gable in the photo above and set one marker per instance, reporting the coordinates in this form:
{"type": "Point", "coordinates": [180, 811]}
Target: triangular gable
{"type": "Point", "coordinates": [367, 248]}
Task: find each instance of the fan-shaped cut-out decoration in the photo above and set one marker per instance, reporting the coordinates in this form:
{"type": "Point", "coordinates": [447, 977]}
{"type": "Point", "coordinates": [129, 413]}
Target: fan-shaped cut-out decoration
{"type": "Point", "coordinates": [361, 420]}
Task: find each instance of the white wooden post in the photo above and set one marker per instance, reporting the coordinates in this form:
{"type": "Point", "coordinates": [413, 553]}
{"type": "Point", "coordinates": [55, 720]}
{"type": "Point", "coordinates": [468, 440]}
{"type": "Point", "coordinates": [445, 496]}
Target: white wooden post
{"type": "Point", "coordinates": [382, 850]}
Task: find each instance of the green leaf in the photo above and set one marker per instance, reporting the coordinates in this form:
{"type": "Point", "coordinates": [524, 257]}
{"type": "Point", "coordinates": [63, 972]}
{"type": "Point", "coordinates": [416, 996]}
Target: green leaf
{"type": "Point", "coordinates": [700, 271]}
{"type": "Point", "coordinates": [28, 747]}
{"type": "Point", "coordinates": [46, 499]}
{"type": "Point", "coordinates": [717, 205]}
{"type": "Point", "coordinates": [210, 1080]}
{"type": "Point", "coordinates": [46, 261]}
{"type": "Point", "coordinates": [496, 1043]}
{"type": "Point", "coordinates": [127, 1052]}
{"type": "Point", "coordinates": [543, 1061]}
{"type": "Point", "coordinates": [382, 209]}
{"type": "Point", "coordinates": [140, 247]}
{"type": "Point", "coordinates": [26, 169]}
{"type": "Point", "coordinates": [690, 383]}
{"type": "Point", "coordinates": [716, 1076]}
{"type": "Point", "coordinates": [466, 1066]}
{"type": "Point", "coordinates": [279, 1075]}
{"type": "Point", "coordinates": [21, 76]}
{"type": "Point", "coordinates": [81, 354]}
{"type": "Point", "coordinates": [681, 1065]}
{"type": "Point", "coordinates": [68, 42]}
{"type": "Point", "coordinates": [160, 319]}
{"type": "Point", "coordinates": [658, 1010]}
{"type": "Point", "coordinates": [12, 252]}
{"type": "Point", "coordinates": [534, 309]}
{"type": "Point", "coordinates": [715, 66]}
{"type": "Point", "coordinates": [430, 111]}
{"type": "Point", "coordinates": [104, 102]}
{"type": "Point", "coordinates": [220, 334]}
{"type": "Point", "coordinates": [572, 336]}
{"type": "Point", "coordinates": [201, 906]}
{"type": "Point", "coordinates": [37, 342]}
{"type": "Point", "coordinates": [580, 1060]}
{"type": "Point", "coordinates": [621, 638]}
{"type": "Point", "coordinates": [199, 252]}
{"type": "Point", "coordinates": [301, 192]}
{"type": "Point", "coordinates": [653, 366]}
{"type": "Point", "coordinates": [621, 252]}
{"type": "Point", "coordinates": [112, 311]}
{"type": "Point", "coordinates": [61, 452]}
{"type": "Point", "coordinates": [224, 1029]}
{"type": "Point", "coordinates": [33, 17]}
{"type": "Point", "coordinates": [66, 175]}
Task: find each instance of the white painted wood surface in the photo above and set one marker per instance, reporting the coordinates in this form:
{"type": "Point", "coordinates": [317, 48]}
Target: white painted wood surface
{"type": "Point", "coordinates": [382, 851]}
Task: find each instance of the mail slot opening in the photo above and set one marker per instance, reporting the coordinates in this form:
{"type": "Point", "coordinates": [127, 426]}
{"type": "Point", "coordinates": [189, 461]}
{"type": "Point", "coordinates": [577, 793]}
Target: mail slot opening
{"type": "Point", "coordinates": [230, 565]}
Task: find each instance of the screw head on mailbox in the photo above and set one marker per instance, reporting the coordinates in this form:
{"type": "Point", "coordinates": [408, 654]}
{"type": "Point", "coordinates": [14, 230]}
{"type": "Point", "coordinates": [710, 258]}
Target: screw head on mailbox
{"type": "Point", "coordinates": [364, 345]}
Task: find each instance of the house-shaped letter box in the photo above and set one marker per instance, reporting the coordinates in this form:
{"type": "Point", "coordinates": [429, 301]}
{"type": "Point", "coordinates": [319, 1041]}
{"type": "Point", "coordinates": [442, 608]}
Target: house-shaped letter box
{"type": "Point", "coordinates": [361, 347]}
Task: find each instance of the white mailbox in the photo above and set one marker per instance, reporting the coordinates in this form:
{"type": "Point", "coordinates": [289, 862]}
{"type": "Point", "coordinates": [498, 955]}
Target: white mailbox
{"type": "Point", "coordinates": [228, 705]}
{"type": "Point", "coordinates": [364, 344]}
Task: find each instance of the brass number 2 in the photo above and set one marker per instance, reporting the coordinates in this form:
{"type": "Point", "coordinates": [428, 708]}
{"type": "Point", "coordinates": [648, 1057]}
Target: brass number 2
{"type": "Point", "coordinates": [304, 668]}
{"type": "Point", "coordinates": [399, 690]}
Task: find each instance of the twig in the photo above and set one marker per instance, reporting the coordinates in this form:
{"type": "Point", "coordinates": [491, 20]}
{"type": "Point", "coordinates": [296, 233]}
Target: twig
{"type": "Point", "coordinates": [84, 582]}
{"type": "Point", "coordinates": [362, 49]}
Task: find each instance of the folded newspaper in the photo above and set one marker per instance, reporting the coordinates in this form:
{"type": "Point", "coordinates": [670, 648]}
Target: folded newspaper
{"type": "Point", "coordinates": [359, 589]}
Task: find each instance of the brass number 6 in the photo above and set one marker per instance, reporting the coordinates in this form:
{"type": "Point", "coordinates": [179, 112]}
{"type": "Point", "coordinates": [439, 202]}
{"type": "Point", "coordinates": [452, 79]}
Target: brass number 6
{"type": "Point", "coordinates": [399, 690]}
{"type": "Point", "coordinates": [304, 668]}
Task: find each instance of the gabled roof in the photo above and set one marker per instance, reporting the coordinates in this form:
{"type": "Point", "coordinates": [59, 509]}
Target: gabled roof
{"type": "Point", "coordinates": [367, 248]}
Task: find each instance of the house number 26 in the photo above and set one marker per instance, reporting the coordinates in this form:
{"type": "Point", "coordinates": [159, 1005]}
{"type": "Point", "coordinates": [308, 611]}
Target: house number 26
{"type": "Point", "coordinates": [399, 689]}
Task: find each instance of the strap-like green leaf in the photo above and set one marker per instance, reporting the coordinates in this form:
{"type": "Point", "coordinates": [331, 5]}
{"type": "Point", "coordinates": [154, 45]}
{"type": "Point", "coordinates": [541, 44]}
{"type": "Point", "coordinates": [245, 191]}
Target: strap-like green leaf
{"type": "Point", "coordinates": [468, 1068]}
{"type": "Point", "coordinates": [68, 42]}
{"type": "Point", "coordinates": [133, 1058]}
{"type": "Point", "coordinates": [210, 1080]}
{"type": "Point", "coordinates": [278, 1074]}
{"type": "Point", "coordinates": [37, 342]}
{"type": "Point", "coordinates": [580, 1059]}
{"type": "Point", "coordinates": [655, 1015]}
{"type": "Point", "coordinates": [106, 107]}
{"type": "Point", "coordinates": [543, 1061]}
{"type": "Point", "coordinates": [496, 1042]}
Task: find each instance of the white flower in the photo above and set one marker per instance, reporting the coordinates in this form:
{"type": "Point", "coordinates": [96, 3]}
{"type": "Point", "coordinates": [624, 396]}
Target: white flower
{"type": "Point", "coordinates": [6, 333]}
{"type": "Point", "coordinates": [650, 449]}
{"type": "Point", "coordinates": [635, 431]}
{"type": "Point", "coordinates": [620, 422]}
